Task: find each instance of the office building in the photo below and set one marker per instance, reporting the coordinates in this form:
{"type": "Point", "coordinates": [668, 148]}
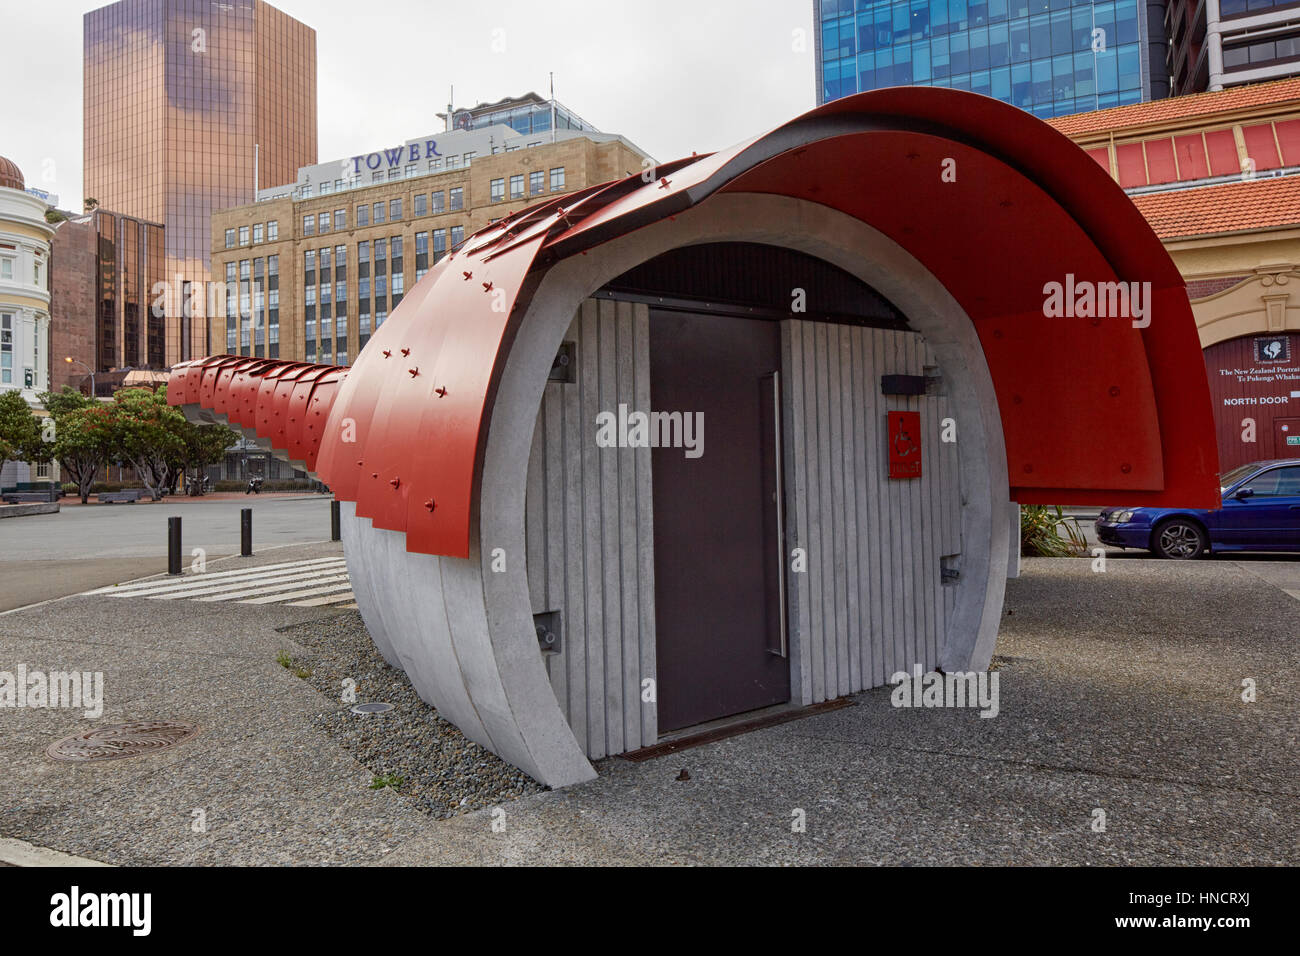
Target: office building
{"type": "Point", "coordinates": [188, 104]}
{"type": "Point", "coordinates": [1217, 44]}
{"type": "Point", "coordinates": [1049, 57]}
{"type": "Point", "coordinates": [105, 270]}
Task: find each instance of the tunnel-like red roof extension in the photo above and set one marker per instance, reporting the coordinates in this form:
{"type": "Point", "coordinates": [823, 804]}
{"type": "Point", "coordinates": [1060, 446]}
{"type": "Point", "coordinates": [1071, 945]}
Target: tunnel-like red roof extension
{"type": "Point", "coordinates": [1094, 410]}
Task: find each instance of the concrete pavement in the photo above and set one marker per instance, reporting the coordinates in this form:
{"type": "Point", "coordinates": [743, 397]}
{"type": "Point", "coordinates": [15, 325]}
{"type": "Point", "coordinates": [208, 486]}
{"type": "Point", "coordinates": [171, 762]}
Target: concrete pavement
{"type": "Point", "coordinates": [1120, 693]}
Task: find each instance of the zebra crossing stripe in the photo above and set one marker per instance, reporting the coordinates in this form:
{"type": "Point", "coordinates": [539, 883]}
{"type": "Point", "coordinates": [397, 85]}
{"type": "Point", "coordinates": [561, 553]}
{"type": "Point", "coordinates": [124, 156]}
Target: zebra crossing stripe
{"type": "Point", "coordinates": [209, 576]}
{"type": "Point", "coordinates": [325, 589]}
{"type": "Point", "coordinates": [322, 601]}
{"type": "Point", "coordinates": [275, 590]}
{"type": "Point", "coordinates": [195, 587]}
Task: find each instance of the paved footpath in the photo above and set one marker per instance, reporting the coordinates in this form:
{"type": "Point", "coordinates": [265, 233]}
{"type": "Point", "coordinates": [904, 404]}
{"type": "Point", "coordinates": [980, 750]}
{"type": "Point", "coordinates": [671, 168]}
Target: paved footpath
{"type": "Point", "coordinates": [1120, 692]}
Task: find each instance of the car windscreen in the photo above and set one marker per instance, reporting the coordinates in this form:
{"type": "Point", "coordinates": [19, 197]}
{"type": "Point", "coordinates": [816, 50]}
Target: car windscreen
{"type": "Point", "coordinates": [1230, 478]}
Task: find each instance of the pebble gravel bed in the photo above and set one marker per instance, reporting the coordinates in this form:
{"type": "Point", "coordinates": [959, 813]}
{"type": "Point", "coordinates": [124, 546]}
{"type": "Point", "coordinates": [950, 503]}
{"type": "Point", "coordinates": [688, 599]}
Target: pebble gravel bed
{"type": "Point", "coordinates": [441, 771]}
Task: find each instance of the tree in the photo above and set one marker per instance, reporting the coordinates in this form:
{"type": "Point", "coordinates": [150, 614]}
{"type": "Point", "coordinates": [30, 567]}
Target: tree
{"type": "Point", "coordinates": [90, 204]}
{"type": "Point", "coordinates": [20, 430]}
{"type": "Point", "coordinates": [83, 441]}
{"type": "Point", "coordinates": [146, 436]}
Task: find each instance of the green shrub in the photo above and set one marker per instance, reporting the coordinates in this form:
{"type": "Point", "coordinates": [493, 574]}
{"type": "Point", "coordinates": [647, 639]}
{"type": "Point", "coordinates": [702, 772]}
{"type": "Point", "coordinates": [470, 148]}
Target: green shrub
{"type": "Point", "coordinates": [1045, 532]}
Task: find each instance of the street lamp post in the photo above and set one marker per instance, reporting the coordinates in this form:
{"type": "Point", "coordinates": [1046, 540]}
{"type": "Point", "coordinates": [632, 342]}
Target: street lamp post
{"type": "Point", "coordinates": [71, 361]}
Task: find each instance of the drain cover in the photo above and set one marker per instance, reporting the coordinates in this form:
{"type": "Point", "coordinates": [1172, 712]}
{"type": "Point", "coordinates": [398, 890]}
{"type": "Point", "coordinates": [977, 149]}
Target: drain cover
{"type": "Point", "coordinates": [372, 708]}
{"type": "Point", "coordinates": [115, 741]}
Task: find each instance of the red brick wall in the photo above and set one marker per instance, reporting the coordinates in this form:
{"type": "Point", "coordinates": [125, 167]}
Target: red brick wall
{"type": "Point", "coordinates": [72, 302]}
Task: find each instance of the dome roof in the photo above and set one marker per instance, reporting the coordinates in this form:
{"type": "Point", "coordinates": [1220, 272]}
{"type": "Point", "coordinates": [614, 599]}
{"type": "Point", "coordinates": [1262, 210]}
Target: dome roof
{"type": "Point", "coordinates": [11, 177]}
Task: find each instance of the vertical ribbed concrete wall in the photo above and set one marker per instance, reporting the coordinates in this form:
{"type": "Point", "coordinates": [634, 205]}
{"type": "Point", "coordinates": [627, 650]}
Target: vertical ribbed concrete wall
{"type": "Point", "coordinates": [589, 530]}
{"type": "Point", "coordinates": [871, 602]}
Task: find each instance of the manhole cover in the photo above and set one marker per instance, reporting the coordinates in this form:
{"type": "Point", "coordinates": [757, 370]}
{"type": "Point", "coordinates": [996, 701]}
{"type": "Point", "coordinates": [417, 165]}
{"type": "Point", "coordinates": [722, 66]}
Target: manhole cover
{"type": "Point", "coordinates": [115, 741]}
{"type": "Point", "coordinates": [372, 708]}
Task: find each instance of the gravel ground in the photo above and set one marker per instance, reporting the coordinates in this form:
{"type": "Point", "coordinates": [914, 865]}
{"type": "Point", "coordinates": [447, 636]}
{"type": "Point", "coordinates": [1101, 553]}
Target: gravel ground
{"type": "Point", "coordinates": [442, 772]}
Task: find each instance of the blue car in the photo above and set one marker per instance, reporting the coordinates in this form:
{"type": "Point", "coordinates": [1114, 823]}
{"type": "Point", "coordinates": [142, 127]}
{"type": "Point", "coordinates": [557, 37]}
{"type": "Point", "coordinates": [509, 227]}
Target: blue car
{"type": "Point", "coordinates": [1261, 512]}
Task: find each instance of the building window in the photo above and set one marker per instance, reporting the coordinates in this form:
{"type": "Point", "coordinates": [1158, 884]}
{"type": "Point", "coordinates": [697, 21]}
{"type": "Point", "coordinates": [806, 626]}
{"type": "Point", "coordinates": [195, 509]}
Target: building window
{"type": "Point", "coordinates": [394, 173]}
{"type": "Point", "coordinates": [6, 348]}
{"type": "Point", "coordinates": [410, 170]}
{"type": "Point", "coordinates": [363, 251]}
{"type": "Point", "coordinates": [394, 209]}
{"type": "Point", "coordinates": [230, 244]}
{"type": "Point", "coordinates": [453, 162]}
{"type": "Point", "coordinates": [458, 198]}
{"type": "Point", "coordinates": [399, 283]}
{"type": "Point", "coordinates": [377, 213]}
{"type": "Point", "coordinates": [326, 188]}
{"type": "Point", "coordinates": [377, 177]}
{"type": "Point", "coordinates": [363, 215]}
{"type": "Point", "coordinates": [324, 222]}
{"type": "Point", "coordinates": [438, 202]}
{"type": "Point", "coordinates": [258, 233]}
{"type": "Point", "coordinates": [395, 248]}
{"type": "Point", "coordinates": [421, 243]}
{"type": "Point", "coordinates": [497, 190]}
{"type": "Point", "coordinates": [435, 164]}
{"type": "Point", "coordinates": [273, 229]}
{"type": "Point", "coordinates": [340, 218]}
{"type": "Point", "coordinates": [557, 179]}
{"type": "Point", "coordinates": [457, 237]}
{"type": "Point", "coordinates": [439, 244]}
{"type": "Point", "coordinates": [308, 225]}
{"type": "Point", "coordinates": [305, 192]}
{"type": "Point", "coordinates": [381, 285]}
{"type": "Point", "coordinates": [420, 202]}
{"type": "Point", "coordinates": [469, 157]}
{"type": "Point", "coordinates": [517, 186]}
{"type": "Point", "coordinates": [536, 182]}
{"type": "Point", "coordinates": [243, 235]}
{"type": "Point", "coordinates": [379, 318]}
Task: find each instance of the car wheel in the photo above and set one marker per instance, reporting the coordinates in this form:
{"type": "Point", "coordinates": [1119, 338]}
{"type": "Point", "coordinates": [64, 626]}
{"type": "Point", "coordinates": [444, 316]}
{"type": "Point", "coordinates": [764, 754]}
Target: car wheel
{"type": "Point", "coordinates": [1178, 540]}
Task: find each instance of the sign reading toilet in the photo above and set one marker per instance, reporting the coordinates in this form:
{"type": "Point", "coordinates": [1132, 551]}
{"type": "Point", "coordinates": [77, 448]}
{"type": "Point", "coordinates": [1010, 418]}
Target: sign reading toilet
{"type": "Point", "coordinates": [904, 444]}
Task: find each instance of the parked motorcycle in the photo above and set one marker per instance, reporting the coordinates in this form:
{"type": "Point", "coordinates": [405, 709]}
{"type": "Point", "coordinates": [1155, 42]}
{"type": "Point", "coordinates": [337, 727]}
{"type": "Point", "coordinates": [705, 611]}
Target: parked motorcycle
{"type": "Point", "coordinates": [254, 485]}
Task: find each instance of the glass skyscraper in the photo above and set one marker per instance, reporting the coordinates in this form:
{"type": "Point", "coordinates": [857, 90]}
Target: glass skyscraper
{"type": "Point", "coordinates": [1049, 57]}
{"type": "Point", "coordinates": [187, 104]}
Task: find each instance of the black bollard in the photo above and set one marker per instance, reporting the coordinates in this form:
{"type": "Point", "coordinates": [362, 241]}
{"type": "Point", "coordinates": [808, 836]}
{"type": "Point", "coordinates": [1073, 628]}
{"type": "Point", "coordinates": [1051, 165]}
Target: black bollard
{"type": "Point", "coordinates": [173, 545]}
{"type": "Point", "coordinates": [336, 529]}
{"type": "Point", "coordinates": [246, 532]}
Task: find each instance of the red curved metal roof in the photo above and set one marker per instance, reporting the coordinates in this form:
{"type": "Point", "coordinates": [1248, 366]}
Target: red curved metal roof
{"type": "Point", "coordinates": [1092, 410]}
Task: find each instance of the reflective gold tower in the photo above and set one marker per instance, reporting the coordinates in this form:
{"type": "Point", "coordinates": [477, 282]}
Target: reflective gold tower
{"type": "Point", "coordinates": [186, 103]}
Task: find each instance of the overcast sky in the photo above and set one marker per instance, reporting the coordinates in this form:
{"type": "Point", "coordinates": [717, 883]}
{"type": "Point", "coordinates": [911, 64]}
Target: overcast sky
{"type": "Point", "coordinates": [671, 75]}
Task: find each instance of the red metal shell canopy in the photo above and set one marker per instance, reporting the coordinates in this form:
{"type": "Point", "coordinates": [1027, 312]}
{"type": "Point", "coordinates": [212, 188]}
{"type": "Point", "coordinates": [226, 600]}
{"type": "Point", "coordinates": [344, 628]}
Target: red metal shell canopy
{"type": "Point", "coordinates": [996, 204]}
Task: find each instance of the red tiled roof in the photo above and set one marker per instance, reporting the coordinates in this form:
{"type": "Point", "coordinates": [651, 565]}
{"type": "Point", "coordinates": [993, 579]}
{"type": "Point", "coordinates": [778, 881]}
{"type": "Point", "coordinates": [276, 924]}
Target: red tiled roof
{"type": "Point", "coordinates": [1229, 207]}
{"type": "Point", "coordinates": [1179, 107]}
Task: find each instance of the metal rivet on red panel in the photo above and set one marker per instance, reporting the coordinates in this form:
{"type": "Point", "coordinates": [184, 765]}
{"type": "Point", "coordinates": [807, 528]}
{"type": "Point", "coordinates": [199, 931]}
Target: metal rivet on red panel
{"type": "Point", "coordinates": [405, 352]}
{"type": "Point", "coordinates": [1126, 468]}
{"type": "Point", "coordinates": [396, 482]}
{"type": "Point", "coordinates": [374, 474]}
{"type": "Point", "coordinates": [487, 286]}
{"type": "Point", "coordinates": [665, 182]}
{"type": "Point", "coordinates": [414, 371]}
{"type": "Point", "coordinates": [1114, 391]}
{"type": "Point", "coordinates": [442, 392]}
{"type": "Point", "coordinates": [387, 353]}
{"type": "Point", "coordinates": [429, 504]}
{"type": "Point", "coordinates": [468, 275]}
{"type": "Point", "coordinates": [1029, 469]}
